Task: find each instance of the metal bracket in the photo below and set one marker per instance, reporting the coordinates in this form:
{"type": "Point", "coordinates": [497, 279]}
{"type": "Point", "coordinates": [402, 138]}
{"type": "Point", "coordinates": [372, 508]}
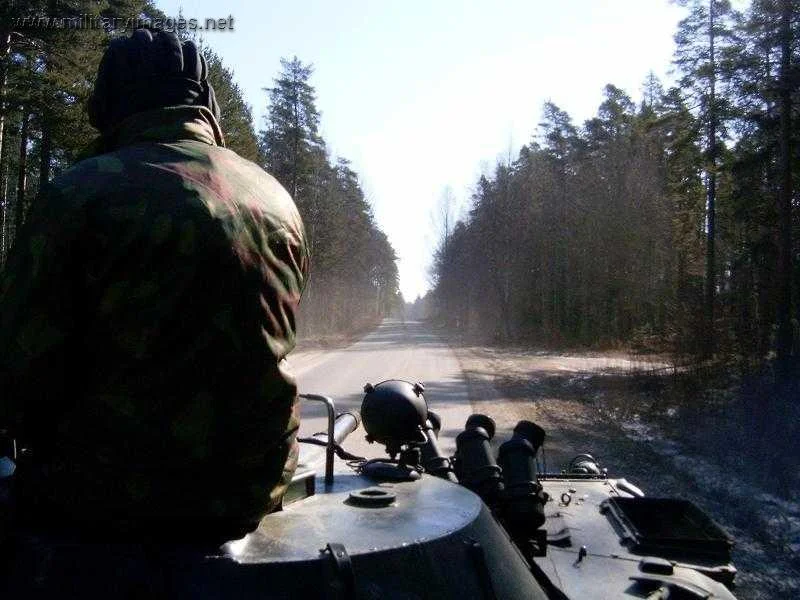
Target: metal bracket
{"type": "Point", "coordinates": [478, 556]}
{"type": "Point", "coordinates": [345, 578]}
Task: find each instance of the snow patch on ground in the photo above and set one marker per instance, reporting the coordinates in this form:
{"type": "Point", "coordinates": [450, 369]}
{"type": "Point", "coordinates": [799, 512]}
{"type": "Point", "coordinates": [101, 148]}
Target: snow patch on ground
{"type": "Point", "coordinates": [639, 431]}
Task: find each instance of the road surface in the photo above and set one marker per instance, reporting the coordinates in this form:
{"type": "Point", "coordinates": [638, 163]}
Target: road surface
{"type": "Point", "coordinates": [395, 350]}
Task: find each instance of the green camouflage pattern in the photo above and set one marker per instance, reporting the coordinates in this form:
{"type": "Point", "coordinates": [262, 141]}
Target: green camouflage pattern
{"type": "Point", "coordinates": [145, 312]}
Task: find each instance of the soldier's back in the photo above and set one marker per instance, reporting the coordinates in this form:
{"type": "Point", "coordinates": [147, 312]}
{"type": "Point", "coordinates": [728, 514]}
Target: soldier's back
{"type": "Point", "coordinates": [187, 269]}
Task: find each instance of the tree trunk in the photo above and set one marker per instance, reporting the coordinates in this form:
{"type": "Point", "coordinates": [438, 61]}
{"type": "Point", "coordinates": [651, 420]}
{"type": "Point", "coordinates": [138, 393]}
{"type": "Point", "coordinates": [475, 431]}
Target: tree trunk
{"type": "Point", "coordinates": [22, 175]}
{"type": "Point", "coordinates": [5, 48]}
{"type": "Point", "coordinates": [45, 155]}
{"type": "Point", "coordinates": [711, 192]}
{"type": "Point", "coordinates": [296, 152]}
{"type": "Point", "coordinates": [4, 195]}
{"type": "Point", "coordinates": [784, 276]}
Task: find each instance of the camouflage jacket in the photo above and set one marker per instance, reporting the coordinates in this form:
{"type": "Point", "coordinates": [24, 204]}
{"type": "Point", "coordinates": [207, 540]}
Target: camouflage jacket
{"type": "Point", "coordinates": [145, 312]}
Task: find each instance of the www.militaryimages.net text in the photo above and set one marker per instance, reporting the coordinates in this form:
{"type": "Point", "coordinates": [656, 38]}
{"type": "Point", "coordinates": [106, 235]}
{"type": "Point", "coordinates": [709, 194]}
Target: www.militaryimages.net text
{"type": "Point", "coordinates": [176, 24]}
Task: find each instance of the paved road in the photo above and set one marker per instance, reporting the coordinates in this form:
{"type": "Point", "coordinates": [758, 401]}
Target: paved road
{"type": "Point", "coordinates": [395, 350]}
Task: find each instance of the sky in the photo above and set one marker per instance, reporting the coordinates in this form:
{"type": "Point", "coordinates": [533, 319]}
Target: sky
{"type": "Point", "coordinates": [422, 95]}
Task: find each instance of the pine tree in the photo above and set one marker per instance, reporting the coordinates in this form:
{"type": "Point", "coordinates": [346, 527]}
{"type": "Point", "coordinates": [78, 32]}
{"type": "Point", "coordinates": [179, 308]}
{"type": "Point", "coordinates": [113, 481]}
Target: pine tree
{"type": "Point", "coordinates": [701, 40]}
{"type": "Point", "coordinates": [354, 275]}
{"type": "Point", "coordinates": [766, 90]}
{"type": "Point", "coordinates": [290, 143]}
{"type": "Point", "coordinates": [786, 86]}
{"type": "Point", "coordinates": [46, 75]}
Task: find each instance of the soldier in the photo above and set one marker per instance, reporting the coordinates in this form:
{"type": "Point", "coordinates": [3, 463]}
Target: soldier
{"type": "Point", "coordinates": [145, 313]}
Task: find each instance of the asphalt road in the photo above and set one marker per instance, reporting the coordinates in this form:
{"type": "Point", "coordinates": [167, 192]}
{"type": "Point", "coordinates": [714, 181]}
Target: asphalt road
{"type": "Point", "coordinates": [395, 350]}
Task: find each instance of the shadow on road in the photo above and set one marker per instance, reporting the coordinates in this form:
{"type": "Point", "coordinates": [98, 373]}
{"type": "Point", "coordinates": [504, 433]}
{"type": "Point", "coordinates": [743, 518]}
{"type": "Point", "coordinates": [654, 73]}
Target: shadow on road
{"type": "Point", "coordinates": [399, 335]}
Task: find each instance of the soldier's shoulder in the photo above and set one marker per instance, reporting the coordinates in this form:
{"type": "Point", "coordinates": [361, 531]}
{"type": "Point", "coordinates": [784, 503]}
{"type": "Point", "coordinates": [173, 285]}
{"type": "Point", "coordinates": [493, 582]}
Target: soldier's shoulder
{"type": "Point", "coordinates": [248, 178]}
{"type": "Point", "coordinates": [250, 171]}
{"type": "Point", "coordinates": [110, 162]}
{"type": "Point", "coordinates": [82, 178]}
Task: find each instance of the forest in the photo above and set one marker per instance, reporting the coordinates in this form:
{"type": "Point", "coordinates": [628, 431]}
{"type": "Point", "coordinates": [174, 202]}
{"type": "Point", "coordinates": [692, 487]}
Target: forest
{"type": "Point", "coordinates": [668, 225]}
{"type": "Point", "coordinates": [46, 76]}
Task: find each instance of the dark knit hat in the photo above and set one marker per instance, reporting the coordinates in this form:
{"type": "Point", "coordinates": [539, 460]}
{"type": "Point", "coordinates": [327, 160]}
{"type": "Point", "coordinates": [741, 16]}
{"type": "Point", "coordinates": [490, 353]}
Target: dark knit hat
{"type": "Point", "coordinates": [151, 69]}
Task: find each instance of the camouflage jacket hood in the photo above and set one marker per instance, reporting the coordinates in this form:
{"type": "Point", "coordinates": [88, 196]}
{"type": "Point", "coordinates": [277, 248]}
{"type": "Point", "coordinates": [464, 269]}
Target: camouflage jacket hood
{"type": "Point", "coordinates": [167, 124]}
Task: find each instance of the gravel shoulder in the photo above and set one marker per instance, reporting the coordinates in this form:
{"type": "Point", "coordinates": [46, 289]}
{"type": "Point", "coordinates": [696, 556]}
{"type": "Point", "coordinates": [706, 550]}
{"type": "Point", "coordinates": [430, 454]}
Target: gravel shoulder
{"type": "Point", "coordinates": [597, 403]}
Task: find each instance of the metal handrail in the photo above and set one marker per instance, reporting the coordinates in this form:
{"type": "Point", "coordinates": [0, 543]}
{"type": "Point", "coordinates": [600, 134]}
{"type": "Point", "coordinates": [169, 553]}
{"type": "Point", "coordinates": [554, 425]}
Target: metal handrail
{"type": "Point", "coordinates": [330, 446]}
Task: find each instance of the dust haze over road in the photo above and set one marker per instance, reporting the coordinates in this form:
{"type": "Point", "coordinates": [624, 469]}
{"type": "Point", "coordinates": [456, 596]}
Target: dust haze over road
{"type": "Point", "coordinates": [409, 350]}
{"type": "Point", "coordinates": [395, 350]}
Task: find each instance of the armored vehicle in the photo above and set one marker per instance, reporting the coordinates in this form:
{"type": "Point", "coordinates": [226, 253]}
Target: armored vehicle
{"type": "Point", "coordinates": [413, 524]}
